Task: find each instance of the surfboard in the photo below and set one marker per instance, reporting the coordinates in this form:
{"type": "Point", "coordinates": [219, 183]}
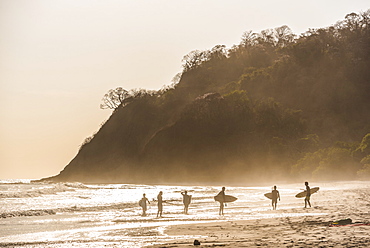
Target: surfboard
{"type": "Point", "coordinates": [141, 203]}
{"type": "Point", "coordinates": [268, 195]}
{"type": "Point", "coordinates": [187, 199]}
{"type": "Point", "coordinates": [228, 198]}
{"type": "Point", "coordinates": [303, 193]}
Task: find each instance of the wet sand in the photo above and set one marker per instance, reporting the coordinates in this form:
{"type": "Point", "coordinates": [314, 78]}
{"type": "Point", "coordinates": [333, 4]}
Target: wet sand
{"type": "Point", "coordinates": [248, 222]}
{"type": "Point", "coordinates": [307, 231]}
{"type": "Point", "coordinates": [283, 232]}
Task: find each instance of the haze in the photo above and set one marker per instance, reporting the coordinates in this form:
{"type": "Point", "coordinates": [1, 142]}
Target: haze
{"type": "Point", "coordinates": [58, 59]}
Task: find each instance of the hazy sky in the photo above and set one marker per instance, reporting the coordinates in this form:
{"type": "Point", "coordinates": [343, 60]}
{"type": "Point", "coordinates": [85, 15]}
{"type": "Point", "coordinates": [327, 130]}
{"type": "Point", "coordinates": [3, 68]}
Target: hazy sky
{"type": "Point", "coordinates": [59, 57]}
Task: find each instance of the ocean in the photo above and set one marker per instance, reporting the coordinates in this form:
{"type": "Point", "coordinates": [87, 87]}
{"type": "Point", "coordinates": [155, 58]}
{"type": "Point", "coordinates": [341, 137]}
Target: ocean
{"type": "Point", "coordinates": [108, 215]}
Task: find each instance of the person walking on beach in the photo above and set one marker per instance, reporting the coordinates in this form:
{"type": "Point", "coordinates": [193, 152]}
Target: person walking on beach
{"type": "Point", "coordinates": [275, 195]}
{"type": "Point", "coordinates": [160, 204]}
{"type": "Point", "coordinates": [308, 195]}
{"type": "Point", "coordinates": [186, 200]}
{"type": "Point", "coordinates": [142, 204]}
{"type": "Point", "coordinates": [222, 202]}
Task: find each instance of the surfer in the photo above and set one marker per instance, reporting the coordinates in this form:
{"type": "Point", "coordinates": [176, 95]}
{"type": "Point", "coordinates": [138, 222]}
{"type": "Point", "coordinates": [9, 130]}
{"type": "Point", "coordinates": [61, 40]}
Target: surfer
{"type": "Point", "coordinates": [308, 195]}
{"type": "Point", "coordinates": [160, 204]}
{"type": "Point", "coordinates": [222, 202]}
{"type": "Point", "coordinates": [186, 200]}
{"type": "Point", "coordinates": [275, 195]}
{"type": "Point", "coordinates": [142, 203]}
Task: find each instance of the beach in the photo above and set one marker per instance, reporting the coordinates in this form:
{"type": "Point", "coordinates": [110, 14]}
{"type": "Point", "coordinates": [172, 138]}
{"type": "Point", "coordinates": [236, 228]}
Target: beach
{"type": "Point", "coordinates": [276, 232]}
{"type": "Point", "coordinates": [281, 231]}
{"type": "Point", "coordinates": [107, 215]}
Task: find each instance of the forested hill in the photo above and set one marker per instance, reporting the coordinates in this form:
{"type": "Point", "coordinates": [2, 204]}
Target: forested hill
{"type": "Point", "coordinates": [274, 107]}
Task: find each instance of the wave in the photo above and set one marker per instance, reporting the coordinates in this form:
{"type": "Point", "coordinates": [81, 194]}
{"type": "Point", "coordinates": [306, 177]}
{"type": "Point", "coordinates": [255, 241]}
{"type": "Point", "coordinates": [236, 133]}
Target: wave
{"type": "Point", "coordinates": [38, 212]}
{"type": "Point", "coordinates": [118, 186]}
{"type": "Point", "coordinates": [164, 219]}
{"type": "Point", "coordinates": [15, 181]}
{"type": "Point", "coordinates": [42, 189]}
{"type": "Point", "coordinates": [41, 212]}
{"type": "Point", "coordinates": [117, 206]}
{"type": "Point", "coordinates": [76, 185]}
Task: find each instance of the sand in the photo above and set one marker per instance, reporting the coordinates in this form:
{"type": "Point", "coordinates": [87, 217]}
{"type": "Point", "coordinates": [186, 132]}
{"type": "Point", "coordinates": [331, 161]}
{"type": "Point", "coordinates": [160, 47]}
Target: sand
{"type": "Point", "coordinates": [282, 232]}
{"type": "Point", "coordinates": [307, 231]}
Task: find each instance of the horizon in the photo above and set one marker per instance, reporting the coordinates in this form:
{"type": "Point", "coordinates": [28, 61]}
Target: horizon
{"type": "Point", "coordinates": [59, 58]}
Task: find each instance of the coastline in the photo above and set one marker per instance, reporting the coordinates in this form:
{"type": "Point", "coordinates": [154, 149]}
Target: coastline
{"type": "Point", "coordinates": [282, 229]}
{"type": "Point", "coordinates": [108, 215]}
{"type": "Point", "coordinates": [309, 231]}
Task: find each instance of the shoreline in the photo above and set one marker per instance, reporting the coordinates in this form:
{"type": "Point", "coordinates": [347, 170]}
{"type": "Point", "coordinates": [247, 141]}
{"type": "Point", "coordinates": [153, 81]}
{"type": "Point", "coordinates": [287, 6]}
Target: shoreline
{"type": "Point", "coordinates": [309, 231]}
{"type": "Point", "coordinates": [310, 227]}
{"type": "Point", "coordinates": [93, 217]}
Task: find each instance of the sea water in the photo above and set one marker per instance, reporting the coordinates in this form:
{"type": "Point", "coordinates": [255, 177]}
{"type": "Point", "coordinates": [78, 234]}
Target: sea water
{"type": "Point", "coordinates": [98, 215]}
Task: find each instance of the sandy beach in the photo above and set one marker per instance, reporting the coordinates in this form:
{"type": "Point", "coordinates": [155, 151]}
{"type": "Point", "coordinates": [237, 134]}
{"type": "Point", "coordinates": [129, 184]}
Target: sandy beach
{"type": "Point", "coordinates": [280, 231]}
{"type": "Point", "coordinates": [94, 216]}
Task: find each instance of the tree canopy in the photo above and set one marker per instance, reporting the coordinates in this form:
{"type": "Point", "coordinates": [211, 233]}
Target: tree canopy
{"type": "Point", "coordinates": [276, 106]}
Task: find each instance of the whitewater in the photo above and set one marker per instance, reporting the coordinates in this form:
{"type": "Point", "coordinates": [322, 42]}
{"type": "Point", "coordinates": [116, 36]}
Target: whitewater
{"type": "Point", "coordinates": [98, 215]}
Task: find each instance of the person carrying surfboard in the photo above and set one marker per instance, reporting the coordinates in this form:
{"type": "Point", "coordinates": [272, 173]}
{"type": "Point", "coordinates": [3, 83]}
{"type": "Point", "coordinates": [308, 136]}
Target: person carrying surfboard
{"type": "Point", "coordinates": [275, 195]}
{"type": "Point", "coordinates": [222, 202]}
{"type": "Point", "coordinates": [142, 204]}
{"type": "Point", "coordinates": [160, 204]}
{"type": "Point", "coordinates": [308, 195]}
{"type": "Point", "coordinates": [186, 200]}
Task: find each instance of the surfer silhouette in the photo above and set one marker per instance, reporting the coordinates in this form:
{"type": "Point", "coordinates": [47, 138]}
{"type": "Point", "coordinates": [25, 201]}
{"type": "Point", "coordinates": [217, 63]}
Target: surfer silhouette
{"type": "Point", "coordinates": [308, 195]}
{"type": "Point", "coordinates": [222, 202]}
{"type": "Point", "coordinates": [160, 204]}
{"type": "Point", "coordinates": [186, 200]}
{"type": "Point", "coordinates": [275, 196]}
{"type": "Point", "coordinates": [142, 204]}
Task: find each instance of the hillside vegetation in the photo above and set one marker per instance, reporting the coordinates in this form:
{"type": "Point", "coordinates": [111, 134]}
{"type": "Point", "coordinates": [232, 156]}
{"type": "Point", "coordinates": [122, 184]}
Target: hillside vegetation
{"type": "Point", "coordinates": [275, 107]}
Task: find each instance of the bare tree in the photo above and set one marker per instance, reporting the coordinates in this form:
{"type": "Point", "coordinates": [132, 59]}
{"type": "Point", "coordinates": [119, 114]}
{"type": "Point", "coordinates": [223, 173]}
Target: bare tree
{"type": "Point", "coordinates": [248, 39]}
{"type": "Point", "coordinates": [266, 37]}
{"type": "Point", "coordinates": [114, 98]}
{"type": "Point", "coordinates": [121, 97]}
{"type": "Point", "coordinates": [284, 36]}
{"type": "Point", "coordinates": [194, 59]}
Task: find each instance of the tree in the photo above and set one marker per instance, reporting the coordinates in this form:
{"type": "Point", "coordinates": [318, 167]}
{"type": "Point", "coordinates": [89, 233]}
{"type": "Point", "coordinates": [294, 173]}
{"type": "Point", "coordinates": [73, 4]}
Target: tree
{"type": "Point", "coordinates": [121, 97]}
{"type": "Point", "coordinates": [194, 59]}
{"type": "Point", "coordinates": [266, 37]}
{"type": "Point", "coordinates": [248, 39]}
{"type": "Point", "coordinates": [218, 52]}
{"type": "Point", "coordinates": [284, 36]}
{"type": "Point", "coordinates": [114, 98]}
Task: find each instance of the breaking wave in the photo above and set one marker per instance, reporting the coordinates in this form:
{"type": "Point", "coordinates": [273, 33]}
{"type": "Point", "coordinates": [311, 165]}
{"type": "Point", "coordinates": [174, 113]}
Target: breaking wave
{"type": "Point", "coordinates": [116, 206]}
{"type": "Point", "coordinates": [39, 190]}
{"type": "Point", "coordinates": [38, 212]}
{"type": "Point", "coordinates": [41, 212]}
{"type": "Point", "coordinates": [14, 181]}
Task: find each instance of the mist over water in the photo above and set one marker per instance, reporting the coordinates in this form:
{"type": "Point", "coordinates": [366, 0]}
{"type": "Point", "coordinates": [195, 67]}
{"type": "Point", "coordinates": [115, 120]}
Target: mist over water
{"type": "Point", "coordinates": [67, 214]}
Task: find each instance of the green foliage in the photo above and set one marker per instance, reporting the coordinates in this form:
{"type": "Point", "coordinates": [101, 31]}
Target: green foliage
{"type": "Point", "coordinates": [365, 144]}
{"type": "Point", "coordinates": [363, 148]}
{"type": "Point", "coordinates": [310, 143]}
{"type": "Point", "coordinates": [338, 162]}
{"type": "Point", "coordinates": [305, 166]}
{"type": "Point", "coordinates": [364, 172]}
{"type": "Point", "coordinates": [327, 164]}
{"type": "Point", "coordinates": [273, 104]}
{"type": "Point", "coordinates": [365, 160]}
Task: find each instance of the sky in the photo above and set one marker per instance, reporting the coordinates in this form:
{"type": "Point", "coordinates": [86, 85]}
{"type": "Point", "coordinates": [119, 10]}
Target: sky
{"type": "Point", "coordinates": [59, 57]}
